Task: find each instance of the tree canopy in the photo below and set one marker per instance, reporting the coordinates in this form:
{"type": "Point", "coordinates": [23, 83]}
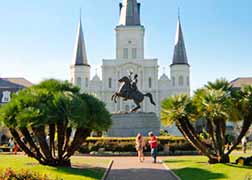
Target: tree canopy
{"type": "Point", "coordinates": [51, 120]}
{"type": "Point", "coordinates": [216, 103]}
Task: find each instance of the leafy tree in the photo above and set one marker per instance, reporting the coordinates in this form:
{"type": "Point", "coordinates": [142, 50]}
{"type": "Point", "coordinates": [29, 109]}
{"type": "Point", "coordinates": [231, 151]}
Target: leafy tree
{"type": "Point", "coordinates": [180, 110]}
{"type": "Point", "coordinates": [242, 99]}
{"type": "Point", "coordinates": [216, 104]}
{"type": "Point", "coordinates": [54, 120]}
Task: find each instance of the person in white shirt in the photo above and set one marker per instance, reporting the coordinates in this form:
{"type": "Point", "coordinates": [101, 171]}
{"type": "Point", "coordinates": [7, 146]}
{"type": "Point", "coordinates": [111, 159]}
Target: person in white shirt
{"type": "Point", "coordinates": [244, 144]}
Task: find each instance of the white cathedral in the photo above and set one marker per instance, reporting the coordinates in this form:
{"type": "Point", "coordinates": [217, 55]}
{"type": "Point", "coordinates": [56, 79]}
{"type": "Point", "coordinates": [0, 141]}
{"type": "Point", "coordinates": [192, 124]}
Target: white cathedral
{"type": "Point", "coordinates": [130, 57]}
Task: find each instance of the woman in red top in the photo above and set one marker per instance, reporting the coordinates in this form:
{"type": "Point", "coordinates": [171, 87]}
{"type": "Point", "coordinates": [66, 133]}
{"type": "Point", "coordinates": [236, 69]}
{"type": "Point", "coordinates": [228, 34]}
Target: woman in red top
{"type": "Point", "coordinates": [153, 145]}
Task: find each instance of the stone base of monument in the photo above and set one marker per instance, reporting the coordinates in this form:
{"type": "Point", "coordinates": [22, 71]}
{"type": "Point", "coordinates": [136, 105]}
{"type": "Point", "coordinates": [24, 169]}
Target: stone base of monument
{"type": "Point", "coordinates": [130, 124]}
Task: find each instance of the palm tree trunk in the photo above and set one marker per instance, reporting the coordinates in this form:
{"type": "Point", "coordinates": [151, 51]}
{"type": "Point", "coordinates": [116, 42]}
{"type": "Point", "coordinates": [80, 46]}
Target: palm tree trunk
{"type": "Point", "coordinates": [218, 138]}
{"type": "Point", "coordinates": [22, 145]}
{"type": "Point", "coordinates": [29, 139]}
{"type": "Point", "coordinates": [41, 137]}
{"type": "Point", "coordinates": [192, 138]}
{"type": "Point", "coordinates": [196, 142]}
{"type": "Point", "coordinates": [52, 139]}
{"type": "Point", "coordinates": [219, 133]}
{"type": "Point", "coordinates": [61, 138]}
{"type": "Point", "coordinates": [245, 127]}
{"type": "Point", "coordinates": [223, 132]}
{"type": "Point", "coordinates": [210, 131]}
{"type": "Point", "coordinates": [80, 136]}
{"type": "Point", "coordinates": [67, 139]}
{"type": "Point", "coordinates": [225, 157]}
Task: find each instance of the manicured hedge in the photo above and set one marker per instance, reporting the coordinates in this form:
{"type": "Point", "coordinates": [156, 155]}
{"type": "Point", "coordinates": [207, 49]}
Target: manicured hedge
{"type": "Point", "coordinates": [128, 144]}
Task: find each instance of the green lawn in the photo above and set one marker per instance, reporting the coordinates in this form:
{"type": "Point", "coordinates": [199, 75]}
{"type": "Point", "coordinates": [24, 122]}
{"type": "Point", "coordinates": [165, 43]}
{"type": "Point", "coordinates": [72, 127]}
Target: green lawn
{"type": "Point", "coordinates": [197, 168]}
{"type": "Point", "coordinates": [84, 168]}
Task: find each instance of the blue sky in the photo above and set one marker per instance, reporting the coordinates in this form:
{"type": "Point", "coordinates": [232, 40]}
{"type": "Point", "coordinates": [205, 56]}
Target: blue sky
{"type": "Point", "coordinates": [37, 37]}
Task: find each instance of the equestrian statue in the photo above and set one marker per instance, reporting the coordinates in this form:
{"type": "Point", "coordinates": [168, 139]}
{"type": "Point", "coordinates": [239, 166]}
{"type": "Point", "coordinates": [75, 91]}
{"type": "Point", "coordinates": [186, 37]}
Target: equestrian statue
{"type": "Point", "coordinates": [129, 91]}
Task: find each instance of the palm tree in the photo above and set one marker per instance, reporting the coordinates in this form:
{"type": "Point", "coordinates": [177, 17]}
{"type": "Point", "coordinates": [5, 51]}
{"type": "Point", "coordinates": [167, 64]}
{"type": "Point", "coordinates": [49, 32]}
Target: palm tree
{"type": "Point", "coordinates": [219, 84]}
{"type": "Point", "coordinates": [216, 103]}
{"type": "Point", "coordinates": [46, 115]}
{"type": "Point", "coordinates": [242, 99]}
{"type": "Point", "coordinates": [180, 110]}
{"type": "Point", "coordinates": [215, 106]}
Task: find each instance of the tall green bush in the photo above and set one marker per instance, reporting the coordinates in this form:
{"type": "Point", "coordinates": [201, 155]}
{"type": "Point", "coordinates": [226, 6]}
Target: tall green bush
{"type": "Point", "coordinates": [216, 104]}
{"type": "Point", "coordinates": [54, 119]}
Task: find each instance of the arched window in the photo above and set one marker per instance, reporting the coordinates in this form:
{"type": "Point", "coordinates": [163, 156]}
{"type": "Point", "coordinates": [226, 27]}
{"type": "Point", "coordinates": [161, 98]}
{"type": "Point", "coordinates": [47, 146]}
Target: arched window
{"type": "Point", "coordinates": [110, 83]}
{"type": "Point", "coordinates": [181, 81]}
{"type": "Point", "coordinates": [6, 96]}
{"type": "Point", "coordinates": [188, 81]}
{"type": "Point", "coordinates": [134, 53]}
{"type": "Point", "coordinates": [79, 81]}
{"type": "Point", "coordinates": [125, 53]}
{"type": "Point", "coordinates": [173, 81]}
{"type": "Point", "coordinates": [86, 82]}
{"type": "Point", "coordinates": [150, 83]}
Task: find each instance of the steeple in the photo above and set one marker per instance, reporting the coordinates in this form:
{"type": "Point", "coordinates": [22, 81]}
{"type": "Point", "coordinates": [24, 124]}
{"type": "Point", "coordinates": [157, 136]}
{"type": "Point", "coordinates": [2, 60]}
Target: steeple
{"type": "Point", "coordinates": [179, 56]}
{"type": "Point", "coordinates": [130, 13]}
{"type": "Point", "coordinates": [80, 55]}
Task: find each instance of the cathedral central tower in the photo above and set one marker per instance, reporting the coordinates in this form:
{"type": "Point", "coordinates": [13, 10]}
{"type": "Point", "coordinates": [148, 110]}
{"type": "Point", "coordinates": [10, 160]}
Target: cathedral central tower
{"type": "Point", "coordinates": [129, 32]}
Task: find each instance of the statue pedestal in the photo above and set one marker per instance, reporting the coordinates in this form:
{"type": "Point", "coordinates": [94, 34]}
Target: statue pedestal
{"type": "Point", "coordinates": [130, 124]}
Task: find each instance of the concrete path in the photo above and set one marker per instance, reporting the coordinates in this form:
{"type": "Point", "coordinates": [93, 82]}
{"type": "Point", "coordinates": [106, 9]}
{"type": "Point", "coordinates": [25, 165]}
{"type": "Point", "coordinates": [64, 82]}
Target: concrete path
{"type": "Point", "coordinates": [128, 168]}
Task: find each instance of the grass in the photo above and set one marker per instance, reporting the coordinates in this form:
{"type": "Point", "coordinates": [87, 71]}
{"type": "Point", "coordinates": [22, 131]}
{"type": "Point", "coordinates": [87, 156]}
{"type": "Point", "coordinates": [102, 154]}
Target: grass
{"type": "Point", "coordinates": [83, 169]}
{"type": "Point", "coordinates": [196, 167]}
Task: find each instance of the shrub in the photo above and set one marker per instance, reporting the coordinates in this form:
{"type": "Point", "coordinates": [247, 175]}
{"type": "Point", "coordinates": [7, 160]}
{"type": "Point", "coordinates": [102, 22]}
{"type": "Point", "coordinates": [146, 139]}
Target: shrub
{"type": "Point", "coordinates": [127, 144]}
{"type": "Point", "coordinates": [9, 174]}
{"type": "Point", "coordinates": [181, 147]}
{"type": "Point", "coordinates": [50, 121]}
{"type": "Point", "coordinates": [163, 132]}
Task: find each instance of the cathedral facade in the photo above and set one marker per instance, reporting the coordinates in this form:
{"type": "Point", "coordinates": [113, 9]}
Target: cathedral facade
{"type": "Point", "coordinates": [130, 57]}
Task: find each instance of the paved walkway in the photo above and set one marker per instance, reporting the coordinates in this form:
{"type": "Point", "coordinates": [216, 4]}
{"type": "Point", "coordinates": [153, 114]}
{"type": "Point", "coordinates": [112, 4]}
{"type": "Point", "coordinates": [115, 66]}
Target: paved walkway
{"type": "Point", "coordinates": [128, 168]}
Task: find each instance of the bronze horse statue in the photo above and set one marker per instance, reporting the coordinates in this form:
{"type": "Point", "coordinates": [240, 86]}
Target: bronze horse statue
{"type": "Point", "coordinates": [128, 93]}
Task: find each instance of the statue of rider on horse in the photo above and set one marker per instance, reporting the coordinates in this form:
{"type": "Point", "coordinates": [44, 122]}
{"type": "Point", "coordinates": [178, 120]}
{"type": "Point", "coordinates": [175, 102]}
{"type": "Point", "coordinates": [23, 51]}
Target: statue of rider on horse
{"type": "Point", "coordinates": [129, 91]}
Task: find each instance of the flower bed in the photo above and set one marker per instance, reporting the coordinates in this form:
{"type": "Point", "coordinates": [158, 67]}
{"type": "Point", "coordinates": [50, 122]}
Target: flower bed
{"type": "Point", "coordinates": [9, 174]}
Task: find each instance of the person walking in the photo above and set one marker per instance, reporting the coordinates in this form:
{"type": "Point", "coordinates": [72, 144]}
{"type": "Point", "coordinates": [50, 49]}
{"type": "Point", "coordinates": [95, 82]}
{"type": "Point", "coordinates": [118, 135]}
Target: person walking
{"type": "Point", "coordinates": [244, 144]}
{"type": "Point", "coordinates": [140, 145]}
{"type": "Point", "coordinates": [15, 148]}
{"type": "Point", "coordinates": [153, 145]}
{"type": "Point", "coordinates": [11, 144]}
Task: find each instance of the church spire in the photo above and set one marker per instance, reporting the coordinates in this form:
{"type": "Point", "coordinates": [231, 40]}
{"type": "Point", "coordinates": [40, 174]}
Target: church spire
{"type": "Point", "coordinates": [179, 56]}
{"type": "Point", "coordinates": [130, 13]}
{"type": "Point", "coordinates": [80, 55]}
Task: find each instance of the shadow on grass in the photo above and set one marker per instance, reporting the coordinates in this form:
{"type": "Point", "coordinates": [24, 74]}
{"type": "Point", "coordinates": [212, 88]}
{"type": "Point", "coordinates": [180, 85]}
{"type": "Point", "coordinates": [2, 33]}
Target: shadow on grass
{"type": "Point", "coordinates": [197, 173]}
{"type": "Point", "coordinates": [96, 173]}
{"type": "Point", "coordinates": [193, 173]}
{"type": "Point", "coordinates": [239, 166]}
